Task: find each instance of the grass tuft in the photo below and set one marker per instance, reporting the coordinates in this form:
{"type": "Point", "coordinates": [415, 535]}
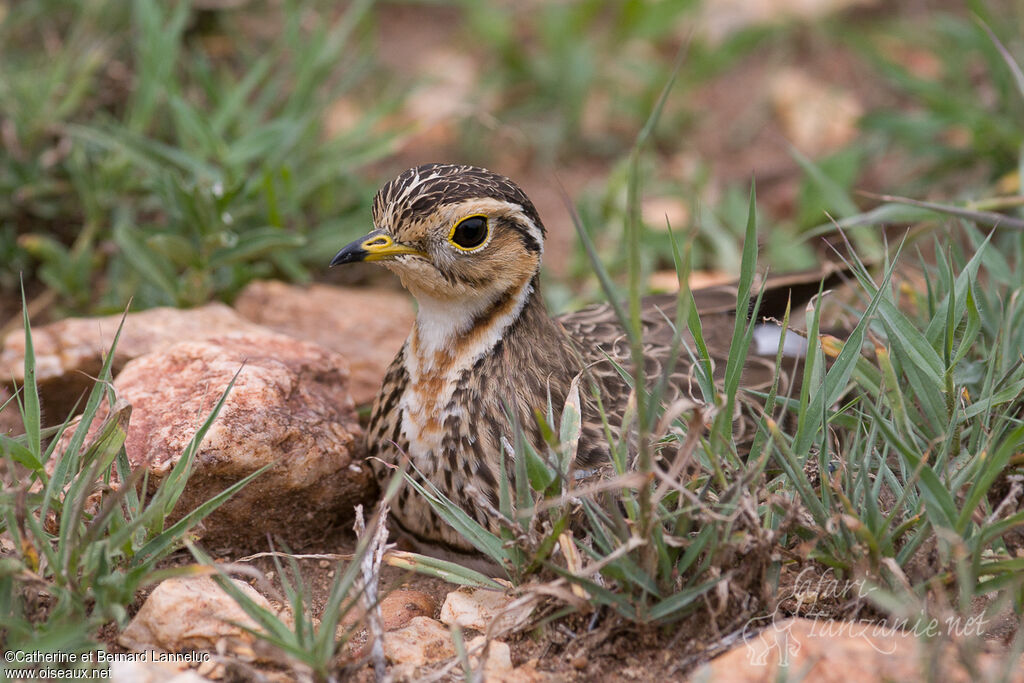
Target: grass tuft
{"type": "Point", "coordinates": [83, 535]}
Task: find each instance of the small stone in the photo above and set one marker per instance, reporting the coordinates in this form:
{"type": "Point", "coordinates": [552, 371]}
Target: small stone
{"type": "Point", "coordinates": [449, 92]}
{"type": "Point", "coordinates": [716, 21]}
{"type": "Point", "coordinates": [816, 117]}
{"type": "Point", "coordinates": [397, 609]}
{"type": "Point", "coordinates": [499, 656]}
{"type": "Point", "coordinates": [422, 641]}
{"type": "Point", "coordinates": [668, 280]}
{"type": "Point", "coordinates": [195, 613]}
{"type": "Point", "coordinates": [580, 662]}
{"type": "Point", "coordinates": [526, 673]}
{"type": "Point", "coordinates": [662, 213]}
{"type": "Point", "coordinates": [401, 606]}
{"type": "Point", "coordinates": [211, 669]}
{"type": "Point", "coordinates": [476, 608]}
{"type": "Point", "coordinates": [153, 672]}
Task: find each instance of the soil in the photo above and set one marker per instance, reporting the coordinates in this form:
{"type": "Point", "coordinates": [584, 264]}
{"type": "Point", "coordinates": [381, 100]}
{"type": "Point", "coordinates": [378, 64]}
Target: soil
{"type": "Point", "coordinates": [579, 647]}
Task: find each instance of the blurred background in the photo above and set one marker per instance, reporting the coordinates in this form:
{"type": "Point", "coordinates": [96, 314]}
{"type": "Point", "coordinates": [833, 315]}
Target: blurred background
{"type": "Point", "coordinates": [171, 152]}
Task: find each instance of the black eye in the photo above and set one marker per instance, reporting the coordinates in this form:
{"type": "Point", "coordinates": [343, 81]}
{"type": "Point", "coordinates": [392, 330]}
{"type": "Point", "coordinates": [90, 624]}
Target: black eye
{"type": "Point", "coordinates": [470, 232]}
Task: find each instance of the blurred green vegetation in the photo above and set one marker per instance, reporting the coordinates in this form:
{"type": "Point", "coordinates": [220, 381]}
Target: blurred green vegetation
{"type": "Point", "coordinates": [73, 563]}
{"type": "Point", "coordinates": [171, 152]}
{"type": "Point", "coordinates": [966, 101]}
{"type": "Point", "coordinates": [140, 164]}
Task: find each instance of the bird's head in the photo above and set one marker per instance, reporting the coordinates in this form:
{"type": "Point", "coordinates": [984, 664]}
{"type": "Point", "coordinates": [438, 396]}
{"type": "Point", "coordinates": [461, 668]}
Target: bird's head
{"type": "Point", "coordinates": [452, 233]}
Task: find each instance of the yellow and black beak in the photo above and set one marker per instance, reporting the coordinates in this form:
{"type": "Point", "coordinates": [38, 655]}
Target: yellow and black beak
{"type": "Point", "coordinates": [377, 246]}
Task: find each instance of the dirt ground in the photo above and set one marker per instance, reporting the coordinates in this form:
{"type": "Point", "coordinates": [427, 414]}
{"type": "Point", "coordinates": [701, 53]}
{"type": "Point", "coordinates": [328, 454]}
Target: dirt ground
{"type": "Point", "coordinates": [581, 647]}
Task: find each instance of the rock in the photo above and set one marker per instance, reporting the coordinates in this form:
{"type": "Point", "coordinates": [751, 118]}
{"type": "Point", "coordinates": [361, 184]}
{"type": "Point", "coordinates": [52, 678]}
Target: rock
{"type": "Point", "coordinates": [834, 651]}
{"type": "Point", "coordinates": [152, 672]}
{"type": "Point", "coordinates": [425, 641]}
{"type": "Point", "coordinates": [451, 90]}
{"type": "Point", "coordinates": [368, 327]}
{"type": "Point", "coordinates": [194, 613]}
{"type": "Point", "coordinates": [342, 116]}
{"type": "Point", "coordinates": [289, 408]}
{"type": "Point", "coordinates": [422, 641]}
{"type": "Point", "coordinates": [499, 656]}
{"type": "Point", "coordinates": [527, 673]}
{"type": "Point", "coordinates": [397, 609]}
{"type": "Point", "coordinates": [446, 93]}
{"type": "Point", "coordinates": [668, 280]}
{"type": "Point", "coordinates": [816, 117]}
{"type": "Point", "coordinates": [477, 608]}
{"type": "Point", "coordinates": [498, 665]}
{"type": "Point", "coordinates": [718, 20]}
{"type": "Point", "coordinates": [69, 353]}
{"type": "Point", "coordinates": [401, 606]}
{"type": "Point", "coordinates": [661, 213]}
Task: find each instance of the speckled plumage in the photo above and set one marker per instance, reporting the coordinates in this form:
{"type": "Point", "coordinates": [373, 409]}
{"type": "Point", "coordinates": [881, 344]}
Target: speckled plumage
{"type": "Point", "coordinates": [484, 345]}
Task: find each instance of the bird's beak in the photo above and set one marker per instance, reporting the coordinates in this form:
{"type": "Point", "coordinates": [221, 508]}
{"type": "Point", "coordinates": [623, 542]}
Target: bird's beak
{"type": "Point", "coordinates": [377, 246]}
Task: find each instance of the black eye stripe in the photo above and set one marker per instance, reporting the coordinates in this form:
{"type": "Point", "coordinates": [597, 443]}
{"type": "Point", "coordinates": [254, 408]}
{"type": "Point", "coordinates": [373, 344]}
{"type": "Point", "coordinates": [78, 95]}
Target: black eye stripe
{"type": "Point", "coordinates": [530, 242]}
{"type": "Point", "coordinates": [470, 232]}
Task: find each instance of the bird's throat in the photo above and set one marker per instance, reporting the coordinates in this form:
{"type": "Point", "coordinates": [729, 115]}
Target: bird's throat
{"type": "Point", "coordinates": [458, 333]}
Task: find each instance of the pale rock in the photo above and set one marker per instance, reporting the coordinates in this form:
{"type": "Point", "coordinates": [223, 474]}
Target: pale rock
{"type": "Point", "coordinates": [69, 353]}
{"type": "Point", "coordinates": [397, 609]}
{"type": "Point", "coordinates": [194, 613]}
{"type": "Point", "coordinates": [920, 61]}
{"type": "Point", "coordinates": [499, 656]}
{"type": "Point", "coordinates": [527, 673]}
{"type": "Point", "coordinates": [816, 116]}
{"type": "Point", "coordinates": [668, 280]}
{"type": "Point", "coordinates": [422, 641]}
{"type": "Point", "coordinates": [477, 608]}
{"type": "Point", "coordinates": [152, 672]}
{"type": "Point", "coordinates": [367, 326]}
{"type": "Point", "coordinates": [596, 115]}
{"type": "Point", "coordinates": [498, 665]}
{"type": "Point", "coordinates": [401, 606]}
{"type": "Point", "coordinates": [448, 92]}
{"type": "Point", "coordinates": [289, 408]}
{"type": "Point", "coordinates": [720, 19]}
{"type": "Point", "coordinates": [342, 117]}
{"type": "Point", "coordinates": [662, 213]}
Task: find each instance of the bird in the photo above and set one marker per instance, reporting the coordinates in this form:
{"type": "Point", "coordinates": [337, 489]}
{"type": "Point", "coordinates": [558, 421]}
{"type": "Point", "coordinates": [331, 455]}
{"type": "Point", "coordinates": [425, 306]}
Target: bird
{"type": "Point", "coordinates": [485, 355]}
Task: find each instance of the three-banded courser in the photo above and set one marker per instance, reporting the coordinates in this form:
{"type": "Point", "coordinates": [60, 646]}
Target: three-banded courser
{"type": "Point", "coordinates": [467, 243]}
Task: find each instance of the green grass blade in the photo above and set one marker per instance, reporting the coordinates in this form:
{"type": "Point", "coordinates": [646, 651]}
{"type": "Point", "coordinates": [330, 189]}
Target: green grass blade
{"type": "Point", "coordinates": [31, 414]}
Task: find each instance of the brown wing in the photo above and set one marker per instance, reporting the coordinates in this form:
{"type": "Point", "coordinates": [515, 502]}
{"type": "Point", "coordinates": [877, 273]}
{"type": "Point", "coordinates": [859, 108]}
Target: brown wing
{"type": "Point", "coordinates": [602, 341]}
{"type": "Point", "coordinates": [383, 433]}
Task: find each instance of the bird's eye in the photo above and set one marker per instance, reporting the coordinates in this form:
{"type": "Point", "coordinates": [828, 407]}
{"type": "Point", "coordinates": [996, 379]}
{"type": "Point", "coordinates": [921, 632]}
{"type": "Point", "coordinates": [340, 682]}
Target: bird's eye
{"type": "Point", "coordinates": [469, 233]}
